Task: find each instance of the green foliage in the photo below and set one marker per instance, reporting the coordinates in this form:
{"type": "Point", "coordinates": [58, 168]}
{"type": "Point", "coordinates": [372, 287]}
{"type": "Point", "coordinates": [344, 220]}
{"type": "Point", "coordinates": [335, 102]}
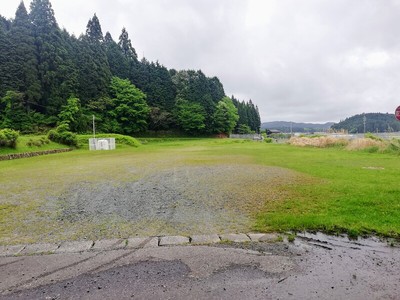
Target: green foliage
{"type": "Point", "coordinates": [268, 140]}
{"type": "Point", "coordinates": [248, 115]}
{"type": "Point", "coordinates": [369, 135]}
{"type": "Point", "coordinates": [126, 45]}
{"type": "Point", "coordinates": [195, 87]}
{"type": "Point", "coordinates": [225, 116]}
{"type": "Point", "coordinates": [131, 110]}
{"type": "Point", "coordinates": [72, 115]}
{"type": "Point", "coordinates": [13, 113]}
{"type": "Point", "coordinates": [62, 135]}
{"type": "Point", "coordinates": [38, 142]}
{"type": "Point", "coordinates": [160, 119]}
{"type": "Point", "coordinates": [8, 138]}
{"type": "Point", "coordinates": [243, 129]}
{"type": "Point", "coordinates": [45, 67]}
{"type": "Point", "coordinates": [190, 116]}
{"type": "Point", "coordinates": [291, 237]}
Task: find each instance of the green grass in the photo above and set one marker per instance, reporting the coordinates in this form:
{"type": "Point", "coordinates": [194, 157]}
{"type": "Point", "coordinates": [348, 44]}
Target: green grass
{"type": "Point", "coordinates": [334, 190]}
{"type": "Point", "coordinates": [23, 147]}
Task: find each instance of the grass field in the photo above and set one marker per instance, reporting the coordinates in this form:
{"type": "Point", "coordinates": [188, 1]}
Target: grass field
{"type": "Point", "coordinates": [331, 189]}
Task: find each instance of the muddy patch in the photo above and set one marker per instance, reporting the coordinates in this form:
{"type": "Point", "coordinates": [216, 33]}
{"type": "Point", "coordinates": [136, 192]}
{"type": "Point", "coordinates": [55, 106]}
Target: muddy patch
{"type": "Point", "coordinates": [198, 199]}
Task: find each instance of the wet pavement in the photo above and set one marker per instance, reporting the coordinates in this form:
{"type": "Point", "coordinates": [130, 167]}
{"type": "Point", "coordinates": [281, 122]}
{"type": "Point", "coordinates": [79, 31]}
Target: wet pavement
{"type": "Point", "coordinates": [312, 267]}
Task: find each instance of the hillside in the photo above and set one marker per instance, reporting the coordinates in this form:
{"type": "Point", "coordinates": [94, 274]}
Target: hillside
{"type": "Point", "coordinates": [374, 122]}
{"type": "Point", "coordinates": [48, 76]}
{"type": "Point", "coordinates": [285, 126]}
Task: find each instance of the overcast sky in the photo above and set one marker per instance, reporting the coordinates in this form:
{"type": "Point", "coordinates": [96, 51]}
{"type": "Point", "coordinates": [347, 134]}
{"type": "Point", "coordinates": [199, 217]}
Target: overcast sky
{"type": "Point", "coordinates": [298, 60]}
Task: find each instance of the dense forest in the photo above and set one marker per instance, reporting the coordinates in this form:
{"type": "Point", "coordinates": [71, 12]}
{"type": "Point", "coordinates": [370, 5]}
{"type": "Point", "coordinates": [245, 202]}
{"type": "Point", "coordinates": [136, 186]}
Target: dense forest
{"type": "Point", "coordinates": [374, 122]}
{"type": "Point", "coordinates": [49, 77]}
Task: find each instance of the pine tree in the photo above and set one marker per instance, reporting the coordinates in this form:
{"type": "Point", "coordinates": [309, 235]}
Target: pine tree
{"type": "Point", "coordinates": [126, 45]}
{"type": "Point", "coordinates": [25, 64]}
{"type": "Point", "coordinates": [93, 30]}
{"type": "Point", "coordinates": [119, 64]}
{"type": "Point", "coordinates": [94, 70]}
{"type": "Point", "coordinates": [54, 61]}
{"type": "Point", "coordinates": [6, 77]}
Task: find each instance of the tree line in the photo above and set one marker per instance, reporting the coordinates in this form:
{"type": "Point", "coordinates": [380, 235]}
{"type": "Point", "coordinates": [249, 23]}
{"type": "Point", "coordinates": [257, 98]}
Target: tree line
{"type": "Point", "coordinates": [49, 77]}
{"type": "Point", "coordinates": [373, 122]}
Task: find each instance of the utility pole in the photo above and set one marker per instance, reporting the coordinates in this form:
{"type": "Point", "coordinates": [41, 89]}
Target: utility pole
{"type": "Point", "coordinates": [365, 122]}
{"type": "Point", "coordinates": [94, 129]}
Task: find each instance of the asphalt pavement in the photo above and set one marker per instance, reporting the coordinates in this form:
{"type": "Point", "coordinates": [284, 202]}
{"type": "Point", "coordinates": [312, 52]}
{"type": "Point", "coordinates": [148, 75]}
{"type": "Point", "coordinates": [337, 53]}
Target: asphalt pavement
{"type": "Point", "coordinates": [312, 267]}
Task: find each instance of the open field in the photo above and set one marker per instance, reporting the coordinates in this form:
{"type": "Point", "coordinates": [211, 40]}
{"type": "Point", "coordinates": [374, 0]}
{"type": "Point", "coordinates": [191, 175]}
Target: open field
{"type": "Point", "coordinates": [197, 186]}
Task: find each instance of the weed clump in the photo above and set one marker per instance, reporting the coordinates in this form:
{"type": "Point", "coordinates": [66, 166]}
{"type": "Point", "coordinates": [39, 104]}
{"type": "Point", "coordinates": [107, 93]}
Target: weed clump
{"type": "Point", "coordinates": [367, 144]}
{"type": "Point", "coordinates": [318, 141]}
{"type": "Point", "coordinates": [38, 143]}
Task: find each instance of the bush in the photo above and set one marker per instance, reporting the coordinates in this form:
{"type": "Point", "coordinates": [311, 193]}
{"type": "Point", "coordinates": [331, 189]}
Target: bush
{"type": "Point", "coordinates": [37, 143]}
{"type": "Point", "coordinates": [369, 135]}
{"type": "Point", "coordinates": [268, 140]}
{"type": "Point", "coordinates": [8, 138]}
{"type": "Point", "coordinates": [62, 135]}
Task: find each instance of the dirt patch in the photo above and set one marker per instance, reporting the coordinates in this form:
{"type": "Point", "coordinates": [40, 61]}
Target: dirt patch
{"type": "Point", "coordinates": [198, 199]}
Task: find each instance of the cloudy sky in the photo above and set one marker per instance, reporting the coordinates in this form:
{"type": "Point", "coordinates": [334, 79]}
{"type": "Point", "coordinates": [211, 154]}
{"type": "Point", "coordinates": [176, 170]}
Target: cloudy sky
{"type": "Point", "coordinates": [298, 60]}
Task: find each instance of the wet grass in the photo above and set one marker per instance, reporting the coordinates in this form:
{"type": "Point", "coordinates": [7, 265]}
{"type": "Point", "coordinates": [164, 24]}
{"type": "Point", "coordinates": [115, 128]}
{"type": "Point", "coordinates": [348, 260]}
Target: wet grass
{"type": "Point", "coordinates": [335, 190]}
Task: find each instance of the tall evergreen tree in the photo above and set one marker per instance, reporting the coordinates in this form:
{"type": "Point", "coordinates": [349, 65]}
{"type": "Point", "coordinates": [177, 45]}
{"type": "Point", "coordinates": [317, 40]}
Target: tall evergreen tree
{"type": "Point", "coordinates": [126, 45]}
{"type": "Point", "coordinates": [94, 70]}
{"type": "Point", "coordinates": [6, 77]}
{"type": "Point", "coordinates": [42, 66]}
{"type": "Point", "coordinates": [93, 30]}
{"type": "Point", "coordinates": [119, 64]}
{"type": "Point", "coordinates": [53, 58]}
{"type": "Point", "coordinates": [23, 56]}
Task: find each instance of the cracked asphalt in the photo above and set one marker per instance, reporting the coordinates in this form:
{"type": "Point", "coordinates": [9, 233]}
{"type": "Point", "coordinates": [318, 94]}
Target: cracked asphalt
{"type": "Point", "coordinates": [313, 267]}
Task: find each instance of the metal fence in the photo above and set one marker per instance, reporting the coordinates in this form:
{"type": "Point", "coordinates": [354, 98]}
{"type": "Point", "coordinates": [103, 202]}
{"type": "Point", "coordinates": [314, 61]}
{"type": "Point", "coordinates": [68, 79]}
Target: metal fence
{"type": "Point", "coordinates": [256, 137]}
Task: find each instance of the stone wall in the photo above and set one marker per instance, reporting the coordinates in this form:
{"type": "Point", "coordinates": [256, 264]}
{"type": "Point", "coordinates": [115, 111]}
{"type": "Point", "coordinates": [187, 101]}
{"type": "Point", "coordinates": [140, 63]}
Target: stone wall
{"type": "Point", "coordinates": [31, 154]}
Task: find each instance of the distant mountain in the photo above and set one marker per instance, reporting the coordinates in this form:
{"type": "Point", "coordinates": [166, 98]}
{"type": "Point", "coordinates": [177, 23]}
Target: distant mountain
{"type": "Point", "coordinates": [374, 122]}
{"type": "Point", "coordinates": [285, 126]}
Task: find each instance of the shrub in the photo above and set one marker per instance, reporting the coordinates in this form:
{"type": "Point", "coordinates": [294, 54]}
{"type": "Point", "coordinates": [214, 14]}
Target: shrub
{"type": "Point", "coordinates": [8, 138]}
{"type": "Point", "coordinates": [268, 140]}
{"type": "Point", "coordinates": [37, 143]}
{"type": "Point", "coordinates": [369, 135]}
{"type": "Point", "coordinates": [62, 135]}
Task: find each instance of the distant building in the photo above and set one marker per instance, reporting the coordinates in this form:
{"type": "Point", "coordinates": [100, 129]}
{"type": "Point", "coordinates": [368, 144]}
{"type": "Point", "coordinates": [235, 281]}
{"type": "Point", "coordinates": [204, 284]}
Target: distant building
{"type": "Point", "coordinates": [272, 131]}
